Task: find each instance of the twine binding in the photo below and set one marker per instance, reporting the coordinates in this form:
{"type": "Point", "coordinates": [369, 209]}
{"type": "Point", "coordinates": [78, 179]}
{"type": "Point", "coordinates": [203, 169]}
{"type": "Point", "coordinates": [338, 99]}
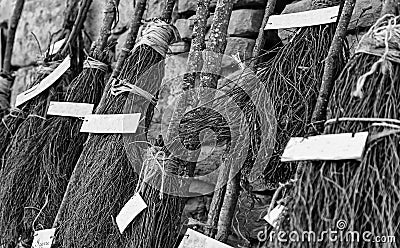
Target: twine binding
{"type": "Point", "coordinates": [122, 86]}
{"type": "Point", "coordinates": [158, 35]}
{"type": "Point", "coordinates": [95, 64]}
{"type": "Point", "coordinates": [382, 40]}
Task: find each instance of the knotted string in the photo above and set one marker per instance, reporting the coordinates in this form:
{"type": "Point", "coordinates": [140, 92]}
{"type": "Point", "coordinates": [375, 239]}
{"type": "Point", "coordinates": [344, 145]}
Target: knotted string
{"type": "Point", "coordinates": [95, 64]}
{"type": "Point", "coordinates": [383, 40]}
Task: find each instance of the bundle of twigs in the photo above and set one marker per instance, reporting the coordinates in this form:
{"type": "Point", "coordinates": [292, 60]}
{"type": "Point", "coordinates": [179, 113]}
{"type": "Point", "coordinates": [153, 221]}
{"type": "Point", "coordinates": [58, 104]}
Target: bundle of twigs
{"type": "Point", "coordinates": [293, 78]}
{"type": "Point", "coordinates": [103, 179]}
{"type": "Point", "coordinates": [359, 197]}
{"type": "Point", "coordinates": [18, 169]}
{"type": "Point", "coordinates": [55, 148]}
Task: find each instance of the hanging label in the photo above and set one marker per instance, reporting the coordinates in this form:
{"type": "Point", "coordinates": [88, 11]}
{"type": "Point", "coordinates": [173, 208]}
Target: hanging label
{"type": "Point", "coordinates": [303, 19]}
{"type": "Point", "coordinates": [43, 238]}
{"type": "Point", "coordinates": [193, 239]}
{"type": "Point", "coordinates": [70, 109]}
{"type": "Point", "coordinates": [326, 147]}
{"type": "Point", "coordinates": [273, 217]}
{"type": "Point", "coordinates": [113, 123]}
{"type": "Point", "coordinates": [44, 84]}
{"type": "Point", "coordinates": [128, 213]}
{"type": "Point", "coordinates": [55, 47]}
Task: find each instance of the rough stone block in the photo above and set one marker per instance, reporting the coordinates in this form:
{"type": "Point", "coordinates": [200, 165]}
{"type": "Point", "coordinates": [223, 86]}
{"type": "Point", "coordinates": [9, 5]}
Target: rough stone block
{"type": "Point", "coordinates": [245, 22]}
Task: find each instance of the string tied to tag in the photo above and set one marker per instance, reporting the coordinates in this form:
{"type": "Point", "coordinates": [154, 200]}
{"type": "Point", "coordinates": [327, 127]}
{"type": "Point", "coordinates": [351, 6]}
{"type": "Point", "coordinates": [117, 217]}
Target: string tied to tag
{"type": "Point", "coordinates": [382, 40]}
{"type": "Point", "coordinates": [122, 86]}
{"type": "Point", "coordinates": [95, 64]}
{"type": "Point", "coordinates": [155, 161]}
{"type": "Point", "coordinates": [158, 35]}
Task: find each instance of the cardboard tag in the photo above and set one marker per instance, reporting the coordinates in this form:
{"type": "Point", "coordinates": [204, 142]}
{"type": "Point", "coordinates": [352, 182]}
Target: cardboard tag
{"type": "Point", "coordinates": [117, 123]}
{"type": "Point", "coordinates": [43, 238]}
{"type": "Point", "coordinates": [273, 217]}
{"type": "Point", "coordinates": [70, 109]}
{"type": "Point", "coordinates": [55, 47]}
{"type": "Point", "coordinates": [193, 239]}
{"type": "Point", "coordinates": [44, 84]}
{"type": "Point", "coordinates": [128, 213]}
{"type": "Point", "coordinates": [326, 147]}
{"type": "Point", "coordinates": [303, 19]}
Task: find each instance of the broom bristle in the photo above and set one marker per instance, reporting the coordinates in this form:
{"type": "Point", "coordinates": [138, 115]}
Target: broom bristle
{"type": "Point", "coordinates": [365, 195]}
{"type": "Point", "coordinates": [17, 174]}
{"type": "Point", "coordinates": [57, 147]}
{"type": "Point", "coordinates": [292, 79]}
{"type": "Point", "coordinates": [106, 178]}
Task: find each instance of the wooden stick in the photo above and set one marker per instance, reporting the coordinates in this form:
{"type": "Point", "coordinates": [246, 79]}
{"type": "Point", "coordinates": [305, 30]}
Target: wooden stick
{"type": "Point", "coordinates": [132, 35]}
{"type": "Point", "coordinates": [12, 29]}
{"type": "Point", "coordinates": [328, 79]}
{"type": "Point", "coordinates": [261, 39]}
{"type": "Point", "coordinates": [78, 25]}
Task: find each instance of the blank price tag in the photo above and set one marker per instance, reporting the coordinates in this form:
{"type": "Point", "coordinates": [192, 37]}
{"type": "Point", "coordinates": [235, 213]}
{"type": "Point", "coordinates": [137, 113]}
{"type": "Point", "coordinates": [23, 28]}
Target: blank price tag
{"type": "Point", "coordinates": [70, 109]}
{"type": "Point", "coordinates": [326, 147]}
{"type": "Point", "coordinates": [55, 47]}
{"type": "Point", "coordinates": [303, 19]}
{"type": "Point", "coordinates": [132, 208]}
{"type": "Point", "coordinates": [118, 123]}
{"type": "Point", "coordinates": [43, 238]}
{"type": "Point", "coordinates": [44, 84]}
{"type": "Point", "coordinates": [273, 217]}
{"type": "Point", "coordinates": [193, 239]}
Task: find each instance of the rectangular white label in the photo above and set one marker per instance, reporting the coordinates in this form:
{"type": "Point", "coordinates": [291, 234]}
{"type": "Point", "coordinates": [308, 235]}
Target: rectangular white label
{"type": "Point", "coordinates": [193, 239]}
{"type": "Point", "coordinates": [303, 19]}
{"type": "Point", "coordinates": [113, 123]}
{"type": "Point", "coordinates": [70, 109]}
{"type": "Point", "coordinates": [44, 84]}
{"type": "Point", "coordinates": [273, 217]}
{"type": "Point", "coordinates": [43, 238]}
{"type": "Point", "coordinates": [128, 213]}
{"type": "Point", "coordinates": [326, 147]}
{"type": "Point", "coordinates": [55, 47]}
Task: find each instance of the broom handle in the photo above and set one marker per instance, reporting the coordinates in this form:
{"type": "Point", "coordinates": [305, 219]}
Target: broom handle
{"type": "Point", "coordinates": [14, 20]}
{"type": "Point", "coordinates": [261, 39]}
{"type": "Point", "coordinates": [105, 30]}
{"type": "Point", "coordinates": [167, 12]}
{"type": "Point", "coordinates": [328, 79]}
{"type": "Point", "coordinates": [102, 40]}
{"type": "Point", "coordinates": [80, 19]}
{"type": "Point", "coordinates": [131, 38]}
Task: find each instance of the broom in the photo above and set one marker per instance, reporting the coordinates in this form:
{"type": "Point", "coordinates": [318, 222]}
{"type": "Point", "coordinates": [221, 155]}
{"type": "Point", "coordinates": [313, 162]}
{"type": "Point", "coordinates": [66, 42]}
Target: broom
{"type": "Point", "coordinates": [56, 147]}
{"type": "Point", "coordinates": [227, 190]}
{"type": "Point", "coordinates": [292, 79]}
{"type": "Point", "coordinates": [102, 185]}
{"type": "Point", "coordinates": [16, 178]}
{"type": "Point", "coordinates": [359, 197]}
{"type": "Point", "coordinates": [14, 118]}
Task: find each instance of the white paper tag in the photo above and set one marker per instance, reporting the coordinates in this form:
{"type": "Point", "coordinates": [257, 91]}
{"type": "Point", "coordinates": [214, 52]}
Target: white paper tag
{"type": "Point", "coordinates": [273, 217]}
{"type": "Point", "coordinates": [132, 208]}
{"type": "Point", "coordinates": [43, 238]}
{"type": "Point", "coordinates": [44, 84]}
{"type": "Point", "coordinates": [55, 47]}
{"type": "Point", "coordinates": [193, 239]}
{"type": "Point", "coordinates": [70, 109]}
{"type": "Point", "coordinates": [326, 147]}
{"type": "Point", "coordinates": [114, 123]}
{"type": "Point", "coordinates": [303, 19]}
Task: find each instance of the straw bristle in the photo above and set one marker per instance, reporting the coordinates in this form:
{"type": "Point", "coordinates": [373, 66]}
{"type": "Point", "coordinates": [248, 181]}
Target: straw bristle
{"type": "Point", "coordinates": [106, 177]}
{"type": "Point", "coordinates": [366, 194]}
{"type": "Point", "coordinates": [56, 149]}
{"type": "Point", "coordinates": [292, 79]}
{"type": "Point", "coordinates": [17, 174]}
